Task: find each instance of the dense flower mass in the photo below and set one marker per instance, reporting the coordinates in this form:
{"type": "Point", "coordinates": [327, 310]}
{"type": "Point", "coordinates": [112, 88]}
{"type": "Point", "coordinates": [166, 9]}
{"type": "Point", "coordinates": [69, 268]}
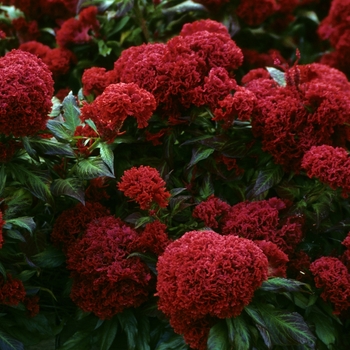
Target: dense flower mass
{"type": "Point", "coordinates": [332, 276]}
{"type": "Point", "coordinates": [105, 280]}
{"type": "Point", "coordinates": [12, 290]}
{"type": "Point", "coordinates": [331, 165]}
{"type": "Point", "coordinates": [117, 102]}
{"type": "Point", "coordinates": [205, 274]}
{"type": "Point", "coordinates": [145, 186]}
{"type": "Point", "coordinates": [26, 88]}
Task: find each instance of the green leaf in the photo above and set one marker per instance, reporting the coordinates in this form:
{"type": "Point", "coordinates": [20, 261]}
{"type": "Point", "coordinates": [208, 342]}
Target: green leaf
{"type": "Point", "coordinates": [8, 343]}
{"type": "Point", "coordinates": [92, 168]}
{"type": "Point", "coordinates": [71, 112]}
{"type": "Point", "coordinates": [174, 342]}
{"type": "Point", "coordinates": [324, 328]}
{"type": "Point", "coordinates": [3, 177]}
{"type": "Point", "coordinates": [128, 322]}
{"type": "Point", "coordinates": [24, 222]}
{"type": "Point", "coordinates": [26, 275]}
{"type": "Point", "coordinates": [56, 107]}
{"type": "Point", "coordinates": [143, 336]}
{"type": "Point", "coordinates": [71, 187]}
{"type": "Point", "coordinates": [279, 285]}
{"type": "Point", "coordinates": [119, 25]}
{"type": "Point", "coordinates": [52, 147]}
{"type": "Point", "coordinates": [80, 340]}
{"type": "Point", "coordinates": [266, 179]}
{"type": "Point", "coordinates": [2, 270]}
{"type": "Point", "coordinates": [199, 154]}
{"type": "Point", "coordinates": [12, 12]}
{"type": "Point", "coordinates": [277, 75]}
{"type": "Point", "coordinates": [150, 261]}
{"type": "Point", "coordinates": [58, 130]}
{"type": "Point", "coordinates": [218, 339]}
{"type": "Point", "coordinates": [103, 49]}
{"type": "Point", "coordinates": [242, 334]}
{"type": "Point", "coordinates": [107, 155]}
{"type": "Point", "coordinates": [28, 147]}
{"type": "Point", "coordinates": [109, 331]}
{"type": "Point", "coordinates": [49, 258]}
{"type": "Point", "coordinates": [175, 191]}
{"type": "Point", "coordinates": [91, 124]}
{"type": "Point", "coordinates": [207, 187]}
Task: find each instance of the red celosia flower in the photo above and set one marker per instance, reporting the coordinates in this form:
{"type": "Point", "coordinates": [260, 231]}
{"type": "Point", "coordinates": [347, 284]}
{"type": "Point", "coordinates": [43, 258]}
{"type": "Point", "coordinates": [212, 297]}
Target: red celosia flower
{"type": "Point", "coordinates": [117, 102]}
{"type": "Point", "coordinates": [97, 190]}
{"type": "Point", "coordinates": [105, 280]}
{"type": "Point", "coordinates": [59, 9]}
{"type": "Point", "coordinates": [333, 277]}
{"type": "Point", "coordinates": [7, 150]}
{"type": "Point", "coordinates": [96, 79]}
{"type": "Point", "coordinates": [260, 221]}
{"type": "Point", "coordinates": [12, 291]}
{"type": "Point", "coordinates": [26, 88]}
{"type": "Point", "coordinates": [77, 31]}
{"type": "Point", "coordinates": [32, 305]}
{"type": "Point", "coordinates": [254, 59]}
{"type": "Point", "coordinates": [276, 258]}
{"type": "Point", "coordinates": [254, 13]}
{"type": "Point", "coordinates": [205, 274]}
{"type": "Point", "coordinates": [87, 136]}
{"type": "Point", "coordinates": [204, 24]}
{"type": "Point", "coordinates": [331, 165]}
{"type": "Point", "coordinates": [155, 138]}
{"type": "Point", "coordinates": [258, 73]}
{"type": "Point", "coordinates": [346, 241]}
{"type": "Point", "coordinates": [346, 255]}
{"type": "Point", "coordinates": [2, 223]}
{"type": "Point", "coordinates": [231, 164]}
{"type": "Point", "coordinates": [211, 210]}
{"type": "Point", "coordinates": [152, 239]}
{"type": "Point", "coordinates": [71, 224]}
{"type": "Point", "coordinates": [145, 186]}
{"type": "Point", "coordinates": [2, 34]}
{"type": "Point", "coordinates": [26, 31]}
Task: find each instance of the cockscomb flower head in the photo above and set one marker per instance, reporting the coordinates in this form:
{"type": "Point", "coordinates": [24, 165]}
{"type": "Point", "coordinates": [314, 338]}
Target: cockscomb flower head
{"type": "Point", "coordinates": [145, 186]}
{"type": "Point", "coordinates": [12, 290]}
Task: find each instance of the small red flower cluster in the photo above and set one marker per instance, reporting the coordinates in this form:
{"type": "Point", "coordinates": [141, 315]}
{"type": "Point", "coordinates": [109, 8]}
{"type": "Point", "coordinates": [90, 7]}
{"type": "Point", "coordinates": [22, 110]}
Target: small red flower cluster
{"type": "Point", "coordinates": [204, 274]}
{"type": "Point", "coordinates": [32, 305]}
{"type": "Point", "coordinates": [105, 280]}
{"type": "Point", "coordinates": [2, 223]}
{"type": "Point", "coordinates": [118, 101]}
{"type": "Point", "coordinates": [333, 277]}
{"type": "Point", "coordinates": [26, 88]}
{"type": "Point", "coordinates": [86, 139]}
{"type": "Point", "coordinates": [331, 165]}
{"type": "Point", "coordinates": [145, 186]}
{"type": "Point", "coordinates": [12, 291]}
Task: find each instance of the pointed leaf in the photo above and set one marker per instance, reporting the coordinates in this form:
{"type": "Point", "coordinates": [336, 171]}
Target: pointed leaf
{"type": "Point", "coordinates": [71, 187]}
{"type": "Point", "coordinates": [218, 339]}
{"type": "Point", "coordinates": [80, 340]}
{"type": "Point", "coordinates": [91, 124]}
{"type": "Point", "coordinates": [242, 334]}
{"type": "Point", "coordinates": [56, 107]}
{"type": "Point", "coordinates": [24, 222]}
{"type": "Point", "coordinates": [324, 328]}
{"type": "Point", "coordinates": [92, 168]}
{"type": "Point", "coordinates": [9, 343]}
{"type": "Point", "coordinates": [107, 155]}
{"type": "Point", "coordinates": [28, 147]}
{"type": "Point", "coordinates": [199, 154]}
{"type": "Point", "coordinates": [2, 270]}
{"type": "Point", "coordinates": [3, 177]}
{"type": "Point", "coordinates": [207, 187]}
{"type": "Point", "coordinates": [174, 342]}
{"type": "Point", "coordinates": [143, 337]}
{"type": "Point", "coordinates": [277, 75]}
{"type": "Point", "coordinates": [49, 258]}
{"type": "Point", "coordinates": [280, 285]}
{"type": "Point", "coordinates": [128, 322]}
{"type": "Point", "coordinates": [71, 112]}
{"type": "Point", "coordinates": [109, 331]}
{"type": "Point", "coordinates": [58, 130]}
{"type": "Point", "coordinates": [52, 147]}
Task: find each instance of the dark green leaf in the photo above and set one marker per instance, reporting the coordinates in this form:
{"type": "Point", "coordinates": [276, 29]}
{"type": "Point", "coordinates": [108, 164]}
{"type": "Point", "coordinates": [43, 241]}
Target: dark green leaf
{"type": "Point", "coordinates": [28, 147]}
{"type": "Point", "coordinates": [150, 261]}
{"type": "Point", "coordinates": [242, 334]}
{"type": "Point", "coordinates": [266, 179]}
{"type": "Point", "coordinates": [26, 275]}
{"type": "Point", "coordinates": [175, 191]}
{"type": "Point", "coordinates": [277, 75]}
{"type": "Point", "coordinates": [207, 187]}
{"type": "Point", "coordinates": [143, 336]}
{"type": "Point", "coordinates": [324, 328]}
{"type": "Point", "coordinates": [128, 322]}
{"type": "Point", "coordinates": [142, 221]}
{"type": "Point", "coordinates": [278, 285]}
{"type": "Point", "coordinates": [15, 235]}
{"type": "Point", "coordinates": [109, 331]}
{"type": "Point", "coordinates": [92, 168]}
{"type": "Point", "coordinates": [71, 112]}
{"type": "Point", "coordinates": [49, 258]}
{"type": "Point", "coordinates": [52, 147]}
{"type": "Point", "coordinates": [230, 330]}
{"type": "Point", "coordinates": [71, 187]}
{"type": "Point", "coordinates": [107, 155]}
{"type": "Point", "coordinates": [218, 338]}
{"type": "Point", "coordinates": [3, 177]}
{"type": "Point", "coordinates": [91, 124]}
{"type": "Point", "coordinates": [199, 154]}
{"type": "Point", "coordinates": [58, 130]}
{"type": "Point", "coordinates": [24, 222]}
{"type": "Point", "coordinates": [119, 25]}
{"type": "Point", "coordinates": [2, 270]}
{"type": "Point", "coordinates": [8, 343]}
{"type": "Point", "coordinates": [80, 340]}
{"type": "Point", "coordinates": [175, 342]}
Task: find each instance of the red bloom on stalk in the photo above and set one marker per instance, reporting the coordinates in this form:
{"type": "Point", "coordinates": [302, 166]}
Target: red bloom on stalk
{"type": "Point", "coordinates": [26, 88]}
{"type": "Point", "coordinates": [145, 186]}
{"type": "Point", "coordinates": [72, 223]}
{"type": "Point", "coordinates": [254, 13]}
{"type": "Point", "coordinates": [204, 24]}
{"type": "Point", "coordinates": [117, 102]}
{"type": "Point", "coordinates": [105, 280]}
{"type": "Point", "coordinates": [96, 79]}
{"type": "Point", "coordinates": [32, 305]}
{"type": "Point", "coordinates": [26, 31]}
{"type": "Point", "coordinates": [12, 291]}
{"type": "Point", "coordinates": [331, 165]}
{"type": "Point", "coordinates": [332, 276]}
{"type": "Point", "coordinates": [211, 210]}
{"type": "Point", "coordinates": [205, 274]}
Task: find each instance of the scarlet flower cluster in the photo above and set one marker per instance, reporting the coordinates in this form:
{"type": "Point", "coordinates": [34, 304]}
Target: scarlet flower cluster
{"type": "Point", "coordinates": [2, 223]}
{"type": "Point", "coordinates": [118, 101]}
{"type": "Point", "coordinates": [145, 186]}
{"type": "Point", "coordinates": [12, 290]}
{"type": "Point", "coordinates": [333, 277]}
{"type": "Point", "coordinates": [204, 274]}
{"type": "Point", "coordinates": [331, 165]}
{"type": "Point", "coordinates": [26, 88]}
{"type": "Point", "coordinates": [105, 280]}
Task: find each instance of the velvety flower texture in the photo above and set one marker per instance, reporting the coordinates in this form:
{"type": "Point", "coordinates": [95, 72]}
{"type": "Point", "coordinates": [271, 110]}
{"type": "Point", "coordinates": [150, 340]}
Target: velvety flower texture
{"type": "Point", "coordinates": [261, 221]}
{"type": "Point", "coordinates": [211, 211]}
{"type": "Point", "coordinates": [254, 13]}
{"type": "Point", "coordinates": [332, 276]}
{"type": "Point", "coordinates": [145, 186]}
{"type": "Point", "coordinates": [26, 88]}
{"type": "Point", "coordinates": [117, 102]}
{"type": "Point", "coordinates": [331, 165]}
{"type": "Point", "coordinates": [205, 274]}
{"type": "Point", "coordinates": [105, 280]}
{"type": "Point", "coordinates": [12, 290]}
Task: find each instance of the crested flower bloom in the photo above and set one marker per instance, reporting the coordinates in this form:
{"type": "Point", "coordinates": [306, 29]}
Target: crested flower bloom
{"type": "Point", "coordinates": [331, 165]}
{"type": "Point", "coordinates": [204, 274]}
{"type": "Point", "coordinates": [12, 291]}
{"type": "Point", "coordinates": [145, 186]}
{"type": "Point", "coordinates": [105, 280]}
{"type": "Point", "coordinates": [204, 24]}
{"type": "Point", "coordinates": [332, 276]}
{"type": "Point", "coordinates": [117, 102]}
{"type": "Point", "coordinates": [26, 88]}
{"type": "Point", "coordinates": [96, 79]}
{"type": "Point", "coordinates": [32, 305]}
{"type": "Point", "coordinates": [255, 13]}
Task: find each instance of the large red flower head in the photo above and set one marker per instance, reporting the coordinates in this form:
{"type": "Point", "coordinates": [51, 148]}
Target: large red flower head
{"type": "Point", "coordinates": [117, 102]}
{"type": "Point", "coordinates": [333, 277]}
{"type": "Point", "coordinates": [26, 88]}
{"type": "Point", "coordinates": [145, 186]}
{"type": "Point", "coordinates": [205, 274]}
{"type": "Point", "coordinates": [105, 280]}
{"type": "Point", "coordinates": [12, 291]}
